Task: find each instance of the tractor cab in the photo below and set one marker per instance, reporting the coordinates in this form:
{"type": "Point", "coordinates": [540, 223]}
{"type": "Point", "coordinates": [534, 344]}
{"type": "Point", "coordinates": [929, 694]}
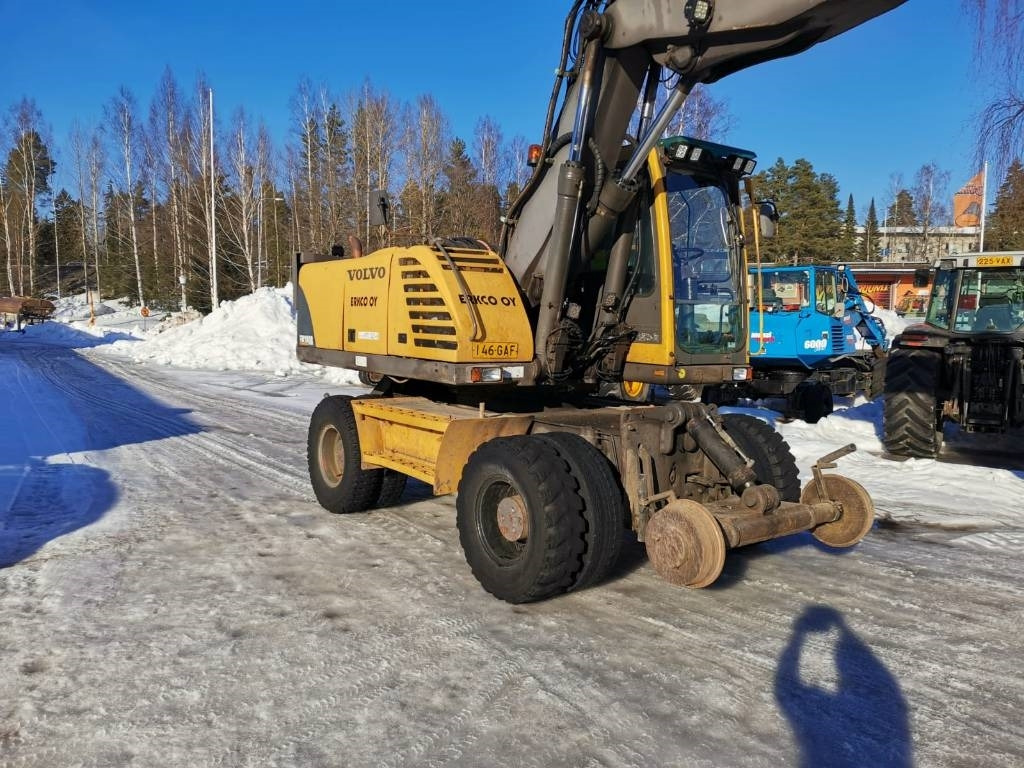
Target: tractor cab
{"type": "Point", "coordinates": [978, 294]}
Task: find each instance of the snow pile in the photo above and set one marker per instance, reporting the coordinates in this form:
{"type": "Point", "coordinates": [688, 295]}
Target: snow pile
{"type": "Point", "coordinates": [894, 324]}
{"type": "Point", "coordinates": [254, 333]}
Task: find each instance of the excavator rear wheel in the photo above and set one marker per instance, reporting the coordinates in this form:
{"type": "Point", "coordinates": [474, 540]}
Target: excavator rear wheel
{"type": "Point", "coordinates": [335, 460]}
{"type": "Point", "coordinates": [685, 544]}
{"type": "Point", "coordinates": [858, 510]}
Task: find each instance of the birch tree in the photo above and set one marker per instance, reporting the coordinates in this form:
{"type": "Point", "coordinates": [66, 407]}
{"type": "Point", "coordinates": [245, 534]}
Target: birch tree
{"type": "Point", "coordinates": [375, 128]}
{"type": "Point", "coordinates": [929, 200]}
{"type": "Point", "coordinates": [6, 214]}
{"type": "Point", "coordinates": [169, 128]}
{"type": "Point", "coordinates": [204, 192]}
{"type": "Point", "coordinates": [79, 152]}
{"type": "Point", "coordinates": [26, 175]}
{"type": "Point", "coordinates": [423, 143]}
{"type": "Point", "coordinates": [123, 125]}
{"type": "Point", "coordinates": [243, 207]}
{"type": "Point", "coordinates": [999, 32]}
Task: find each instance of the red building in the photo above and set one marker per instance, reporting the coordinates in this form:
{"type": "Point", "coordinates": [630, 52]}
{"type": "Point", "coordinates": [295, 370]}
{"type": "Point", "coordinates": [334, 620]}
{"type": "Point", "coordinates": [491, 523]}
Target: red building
{"type": "Point", "coordinates": [902, 287]}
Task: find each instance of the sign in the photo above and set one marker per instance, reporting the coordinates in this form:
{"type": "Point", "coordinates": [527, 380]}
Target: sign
{"type": "Point", "coordinates": [504, 350]}
{"type": "Point", "coordinates": [144, 311]}
{"type": "Point", "coordinates": [995, 261]}
{"type": "Point", "coordinates": [967, 202]}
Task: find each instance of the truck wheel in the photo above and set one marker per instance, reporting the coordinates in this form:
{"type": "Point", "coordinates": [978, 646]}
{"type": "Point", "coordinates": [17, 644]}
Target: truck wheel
{"type": "Point", "coordinates": [603, 502]}
{"type": "Point", "coordinates": [368, 379]}
{"type": "Point", "coordinates": [630, 391]}
{"type": "Point", "coordinates": [332, 451]}
{"type": "Point", "coordinates": [912, 424]}
{"type": "Point", "coordinates": [392, 487]}
{"type": "Point", "coordinates": [878, 369]}
{"type": "Point", "coordinates": [773, 461]}
{"type": "Point", "coordinates": [519, 519]}
{"type": "Point", "coordinates": [813, 400]}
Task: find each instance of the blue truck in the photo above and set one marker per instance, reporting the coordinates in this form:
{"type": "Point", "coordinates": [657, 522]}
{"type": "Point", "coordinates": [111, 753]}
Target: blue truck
{"type": "Point", "coordinates": [813, 334]}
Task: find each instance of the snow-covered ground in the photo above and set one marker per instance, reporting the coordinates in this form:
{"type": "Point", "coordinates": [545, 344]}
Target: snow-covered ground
{"type": "Point", "coordinates": [172, 595]}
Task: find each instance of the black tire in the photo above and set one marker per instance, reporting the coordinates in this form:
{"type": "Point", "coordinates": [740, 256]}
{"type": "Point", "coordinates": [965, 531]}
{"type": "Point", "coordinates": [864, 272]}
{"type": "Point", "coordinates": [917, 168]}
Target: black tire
{"type": "Point", "coordinates": [547, 559]}
{"type": "Point", "coordinates": [912, 423]}
{"type": "Point", "coordinates": [773, 461]}
{"type": "Point", "coordinates": [878, 370]}
{"type": "Point", "coordinates": [628, 391]}
{"type": "Point", "coordinates": [604, 505]}
{"type": "Point", "coordinates": [719, 395]}
{"type": "Point", "coordinates": [332, 451]}
{"type": "Point", "coordinates": [392, 487]}
{"type": "Point", "coordinates": [812, 400]}
{"type": "Point", "coordinates": [368, 379]}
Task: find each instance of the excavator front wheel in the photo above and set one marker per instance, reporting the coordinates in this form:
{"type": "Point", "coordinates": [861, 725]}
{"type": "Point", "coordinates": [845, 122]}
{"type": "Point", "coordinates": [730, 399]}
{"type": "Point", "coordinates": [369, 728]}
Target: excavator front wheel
{"type": "Point", "coordinates": [685, 544]}
{"type": "Point", "coordinates": [635, 391]}
{"type": "Point", "coordinates": [858, 510]}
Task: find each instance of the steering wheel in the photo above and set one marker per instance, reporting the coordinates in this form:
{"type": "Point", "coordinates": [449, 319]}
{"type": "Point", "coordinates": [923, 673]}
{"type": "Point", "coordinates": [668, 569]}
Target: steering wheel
{"type": "Point", "coordinates": [680, 251]}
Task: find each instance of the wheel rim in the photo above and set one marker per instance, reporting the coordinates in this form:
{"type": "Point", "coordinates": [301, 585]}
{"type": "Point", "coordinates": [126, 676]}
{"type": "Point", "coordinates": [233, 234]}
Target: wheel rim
{"type": "Point", "coordinates": [499, 508]}
{"type": "Point", "coordinates": [685, 544]}
{"type": "Point", "coordinates": [331, 453]}
{"type": "Point", "coordinates": [858, 511]}
{"type": "Point", "coordinates": [632, 389]}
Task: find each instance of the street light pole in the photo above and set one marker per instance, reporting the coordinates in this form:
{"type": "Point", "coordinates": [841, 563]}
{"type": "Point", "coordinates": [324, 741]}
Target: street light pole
{"type": "Point", "coordinates": [56, 245]}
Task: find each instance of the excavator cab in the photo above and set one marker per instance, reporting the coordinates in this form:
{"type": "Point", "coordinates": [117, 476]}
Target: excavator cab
{"type": "Point", "coordinates": [685, 298]}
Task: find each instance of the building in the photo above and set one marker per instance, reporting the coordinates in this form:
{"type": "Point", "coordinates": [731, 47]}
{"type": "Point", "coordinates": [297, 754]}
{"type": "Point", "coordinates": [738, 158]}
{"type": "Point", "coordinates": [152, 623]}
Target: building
{"type": "Point", "coordinates": [901, 287]}
{"type": "Point", "coordinates": [900, 245]}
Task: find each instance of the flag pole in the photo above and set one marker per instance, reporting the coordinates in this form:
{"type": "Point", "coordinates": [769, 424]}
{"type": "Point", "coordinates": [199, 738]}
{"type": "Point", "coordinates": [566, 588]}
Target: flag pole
{"type": "Point", "coordinates": [984, 189]}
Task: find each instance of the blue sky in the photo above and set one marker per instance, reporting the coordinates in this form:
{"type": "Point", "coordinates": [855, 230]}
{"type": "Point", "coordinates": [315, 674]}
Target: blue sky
{"type": "Point", "coordinates": [885, 98]}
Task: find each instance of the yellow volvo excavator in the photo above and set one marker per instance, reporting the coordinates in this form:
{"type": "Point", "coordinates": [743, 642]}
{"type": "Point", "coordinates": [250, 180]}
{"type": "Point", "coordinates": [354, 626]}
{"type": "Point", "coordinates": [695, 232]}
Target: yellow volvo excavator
{"type": "Point", "coordinates": [623, 261]}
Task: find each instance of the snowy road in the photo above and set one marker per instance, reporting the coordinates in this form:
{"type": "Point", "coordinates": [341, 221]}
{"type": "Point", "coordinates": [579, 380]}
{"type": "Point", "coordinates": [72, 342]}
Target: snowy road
{"type": "Point", "coordinates": [171, 595]}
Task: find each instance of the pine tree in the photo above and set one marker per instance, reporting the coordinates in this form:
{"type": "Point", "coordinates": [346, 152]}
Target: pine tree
{"type": "Point", "coordinates": [848, 236]}
{"type": "Point", "coordinates": [459, 198]}
{"type": "Point", "coordinates": [902, 212]}
{"type": "Point", "coordinates": [871, 242]}
{"type": "Point", "coordinates": [1006, 225]}
{"type": "Point", "coordinates": [811, 219]}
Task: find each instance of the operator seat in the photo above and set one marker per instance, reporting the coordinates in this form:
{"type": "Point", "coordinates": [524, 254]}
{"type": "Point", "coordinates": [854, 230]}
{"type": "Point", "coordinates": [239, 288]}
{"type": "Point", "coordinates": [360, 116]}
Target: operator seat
{"type": "Point", "coordinates": [994, 317]}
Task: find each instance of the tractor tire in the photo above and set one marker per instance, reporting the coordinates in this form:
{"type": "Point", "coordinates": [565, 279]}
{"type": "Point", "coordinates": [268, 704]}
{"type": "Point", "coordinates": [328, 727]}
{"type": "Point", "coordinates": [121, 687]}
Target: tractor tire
{"type": "Point", "coordinates": [340, 483]}
{"type": "Point", "coordinates": [604, 505]}
{"type": "Point", "coordinates": [520, 520]}
{"type": "Point", "coordinates": [912, 423]}
{"type": "Point", "coordinates": [773, 461]}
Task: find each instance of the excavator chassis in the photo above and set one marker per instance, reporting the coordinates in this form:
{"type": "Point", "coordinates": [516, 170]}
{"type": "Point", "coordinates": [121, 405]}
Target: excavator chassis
{"type": "Point", "coordinates": [669, 472]}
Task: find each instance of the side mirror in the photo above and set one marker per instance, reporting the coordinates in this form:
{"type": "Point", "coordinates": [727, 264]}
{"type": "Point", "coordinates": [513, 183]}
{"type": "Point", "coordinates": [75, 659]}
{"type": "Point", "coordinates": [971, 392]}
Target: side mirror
{"type": "Point", "coordinates": [769, 215]}
{"type": "Point", "coordinates": [380, 209]}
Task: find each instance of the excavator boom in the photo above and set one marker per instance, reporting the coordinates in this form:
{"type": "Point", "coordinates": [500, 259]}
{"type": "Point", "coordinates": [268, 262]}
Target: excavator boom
{"type": "Point", "coordinates": [580, 191]}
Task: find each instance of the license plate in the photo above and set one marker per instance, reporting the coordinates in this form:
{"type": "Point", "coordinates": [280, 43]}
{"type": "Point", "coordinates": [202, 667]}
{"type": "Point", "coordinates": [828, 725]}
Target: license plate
{"type": "Point", "coordinates": [503, 350]}
{"type": "Point", "coordinates": [995, 261]}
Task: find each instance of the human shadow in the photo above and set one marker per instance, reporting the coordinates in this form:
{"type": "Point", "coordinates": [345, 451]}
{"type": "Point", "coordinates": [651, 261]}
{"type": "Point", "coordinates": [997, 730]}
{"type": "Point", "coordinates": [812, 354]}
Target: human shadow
{"type": "Point", "coordinates": [845, 708]}
{"type": "Point", "coordinates": [55, 406]}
